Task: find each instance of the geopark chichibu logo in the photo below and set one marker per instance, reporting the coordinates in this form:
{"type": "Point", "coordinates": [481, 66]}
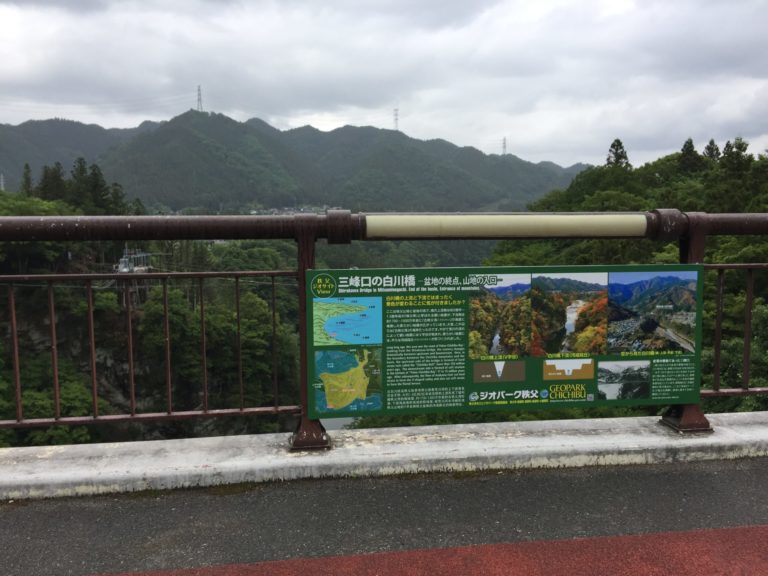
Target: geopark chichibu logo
{"type": "Point", "coordinates": [474, 397]}
{"type": "Point", "coordinates": [323, 286]}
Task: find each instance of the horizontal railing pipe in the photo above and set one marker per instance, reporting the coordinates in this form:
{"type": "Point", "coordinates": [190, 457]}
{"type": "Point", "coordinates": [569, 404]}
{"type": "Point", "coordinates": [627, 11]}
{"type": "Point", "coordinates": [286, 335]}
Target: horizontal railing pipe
{"type": "Point", "coordinates": [335, 225]}
{"type": "Point", "coordinates": [341, 226]}
{"type": "Point", "coordinates": [522, 225]}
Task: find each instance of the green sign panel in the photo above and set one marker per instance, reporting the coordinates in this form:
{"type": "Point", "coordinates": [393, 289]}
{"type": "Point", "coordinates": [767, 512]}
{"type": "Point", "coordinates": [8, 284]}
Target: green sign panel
{"type": "Point", "coordinates": [408, 341]}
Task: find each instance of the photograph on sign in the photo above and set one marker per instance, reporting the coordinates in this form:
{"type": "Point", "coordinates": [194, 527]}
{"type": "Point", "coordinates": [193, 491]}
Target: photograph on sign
{"type": "Point", "coordinates": [569, 312]}
{"type": "Point", "coordinates": [652, 311]}
{"type": "Point", "coordinates": [500, 318]}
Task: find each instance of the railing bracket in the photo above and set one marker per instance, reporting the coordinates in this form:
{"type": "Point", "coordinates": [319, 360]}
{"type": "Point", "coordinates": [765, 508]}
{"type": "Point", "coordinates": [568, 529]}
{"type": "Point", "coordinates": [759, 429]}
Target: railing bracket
{"type": "Point", "coordinates": [686, 419]}
{"type": "Point", "coordinates": [310, 435]}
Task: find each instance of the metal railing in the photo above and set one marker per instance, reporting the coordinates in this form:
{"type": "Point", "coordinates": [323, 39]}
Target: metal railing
{"type": "Point", "coordinates": [127, 285]}
{"type": "Point", "coordinates": [749, 288]}
{"type": "Point", "coordinates": [337, 226]}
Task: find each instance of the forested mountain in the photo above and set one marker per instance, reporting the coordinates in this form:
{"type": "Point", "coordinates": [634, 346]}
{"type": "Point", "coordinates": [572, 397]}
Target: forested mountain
{"type": "Point", "coordinates": [212, 163]}
{"type": "Point", "coordinates": [45, 142]}
{"type": "Point", "coordinates": [565, 285]}
{"type": "Point", "coordinates": [648, 294]}
{"type": "Point", "coordinates": [509, 292]}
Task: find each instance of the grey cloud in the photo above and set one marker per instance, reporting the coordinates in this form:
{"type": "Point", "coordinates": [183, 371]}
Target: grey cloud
{"type": "Point", "coordinates": [409, 13]}
{"type": "Point", "coordinates": [560, 82]}
{"type": "Point", "coordinates": [68, 5]}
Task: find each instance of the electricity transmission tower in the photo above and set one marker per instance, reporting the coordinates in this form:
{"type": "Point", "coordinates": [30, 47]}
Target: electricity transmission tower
{"type": "Point", "coordinates": [199, 99]}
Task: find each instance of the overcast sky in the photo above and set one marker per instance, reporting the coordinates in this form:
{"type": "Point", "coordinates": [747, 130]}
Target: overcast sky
{"type": "Point", "coordinates": [560, 80]}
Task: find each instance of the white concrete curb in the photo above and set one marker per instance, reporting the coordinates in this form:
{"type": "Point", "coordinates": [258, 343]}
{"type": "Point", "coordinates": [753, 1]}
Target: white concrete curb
{"type": "Point", "coordinates": [55, 471]}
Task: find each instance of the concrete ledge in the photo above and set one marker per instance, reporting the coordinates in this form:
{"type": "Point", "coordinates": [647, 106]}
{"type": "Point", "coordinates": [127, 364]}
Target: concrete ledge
{"type": "Point", "coordinates": [55, 471]}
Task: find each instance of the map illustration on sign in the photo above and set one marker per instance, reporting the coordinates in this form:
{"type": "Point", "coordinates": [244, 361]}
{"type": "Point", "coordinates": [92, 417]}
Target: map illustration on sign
{"type": "Point", "coordinates": [351, 320]}
{"type": "Point", "coordinates": [348, 380]}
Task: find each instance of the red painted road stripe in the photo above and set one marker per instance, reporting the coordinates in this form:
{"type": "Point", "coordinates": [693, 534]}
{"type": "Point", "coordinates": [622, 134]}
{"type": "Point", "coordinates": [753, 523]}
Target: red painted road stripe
{"type": "Point", "coordinates": [723, 552]}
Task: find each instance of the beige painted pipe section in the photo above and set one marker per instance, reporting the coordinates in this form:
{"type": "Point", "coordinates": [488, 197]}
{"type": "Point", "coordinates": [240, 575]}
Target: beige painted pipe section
{"type": "Point", "coordinates": [504, 225]}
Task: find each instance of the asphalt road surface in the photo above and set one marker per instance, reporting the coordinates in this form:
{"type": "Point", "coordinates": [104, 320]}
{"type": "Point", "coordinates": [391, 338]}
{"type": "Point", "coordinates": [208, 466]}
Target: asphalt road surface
{"type": "Point", "coordinates": [701, 518]}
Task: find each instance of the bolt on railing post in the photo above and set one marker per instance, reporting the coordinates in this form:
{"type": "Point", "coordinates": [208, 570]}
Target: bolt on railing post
{"type": "Point", "coordinates": [687, 418]}
{"type": "Point", "coordinates": [309, 434]}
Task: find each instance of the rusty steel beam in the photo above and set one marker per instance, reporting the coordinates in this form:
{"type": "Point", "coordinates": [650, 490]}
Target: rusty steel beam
{"type": "Point", "coordinates": [722, 392]}
{"type": "Point", "coordinates": [149, 417]}
{"type": "Point", "coordinates": [341, 226]}
{"type": "Point", "coordinates": [338, 226]}
{"type": "Point", "coordinates": [309, 434]}
{"type": "Point", "coordinates": [737, 224]}
{"type": "Point", "coordinates": [689, 418]}
{"type": "Point", "coordinates": [60, 278]}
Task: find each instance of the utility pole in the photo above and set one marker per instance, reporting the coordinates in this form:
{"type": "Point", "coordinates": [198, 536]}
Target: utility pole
{"type": "Point", "coordinates": [397, 119]}
{"type": "Point", "coordinates": [199, 99]}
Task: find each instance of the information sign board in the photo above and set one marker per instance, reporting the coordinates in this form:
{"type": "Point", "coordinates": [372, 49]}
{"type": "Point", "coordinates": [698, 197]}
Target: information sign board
{"type": "Point", "coordinates": [407, 341]}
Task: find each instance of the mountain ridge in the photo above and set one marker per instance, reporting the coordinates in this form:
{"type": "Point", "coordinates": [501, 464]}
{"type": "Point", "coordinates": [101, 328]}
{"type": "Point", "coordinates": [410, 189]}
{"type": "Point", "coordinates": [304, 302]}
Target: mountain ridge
{"type": "Point", "coordinates": [645, 295]}
{"type": "Point", "coordinates": [214, 162]}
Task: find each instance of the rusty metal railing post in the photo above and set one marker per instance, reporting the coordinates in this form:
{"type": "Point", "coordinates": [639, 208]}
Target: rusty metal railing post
{"type": "Point", "coordinates": [688, 418]}
{"type": "Point", "coordinates": [309, 434]}
{"type": "Point", "coordinates": [339, 227]}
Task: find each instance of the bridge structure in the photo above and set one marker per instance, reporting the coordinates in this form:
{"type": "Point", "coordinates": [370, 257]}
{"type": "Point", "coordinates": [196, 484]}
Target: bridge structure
{"type": "Point", "coordinates": [311, 451]}
{"type": "Point", "coordinates": [689, 230]}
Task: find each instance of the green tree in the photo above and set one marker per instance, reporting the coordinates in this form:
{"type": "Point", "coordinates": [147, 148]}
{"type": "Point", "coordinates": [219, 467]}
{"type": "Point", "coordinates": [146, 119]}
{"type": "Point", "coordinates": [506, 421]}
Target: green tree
{"type": "Point", "coordinates": [52, 185]}
{"type": "Point", "coordinates": [689, 160]}
{"type": "Point", "coordinates": [712, 151]}
{"type": "Point", "coordinates": [99, 193]}
{"type": "Point", "coordinates": [735, 160]}
{"type": "Point", "coordinates": [26, 181]}
{"type": "Point", "coordinates": [617, 155]}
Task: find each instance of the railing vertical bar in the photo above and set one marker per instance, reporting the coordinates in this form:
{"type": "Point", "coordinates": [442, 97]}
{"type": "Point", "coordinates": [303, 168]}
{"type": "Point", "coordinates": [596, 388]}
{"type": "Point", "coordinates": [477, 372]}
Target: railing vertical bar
{"type": "Point", "coordinates": [719, 328]}
{"type": "Point", "coordinates": [748, 327]}
{"type": "Point", "coordinates": [310, 434]}
{"type": "Point", "coordinates": [239, 340]}
{"type": "Point", "coordinates": [203, 358]}
{"type": "Point", "coordinates": [15, 346]}
{"type": "Point", "coordinates": [167, 342]}
{"type": "Point", "coordinates": [275, 391]}
{"type": "Point", "coordinates": [131, 367]}
{"type": "Point", "coordinates": [92, 344]}
{"type": "Point", "coordinates": [54, 353]}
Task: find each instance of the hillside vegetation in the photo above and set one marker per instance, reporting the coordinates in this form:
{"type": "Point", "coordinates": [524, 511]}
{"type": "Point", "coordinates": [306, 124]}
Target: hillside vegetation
{"type": "Point", "coordinates": [204, 162]}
